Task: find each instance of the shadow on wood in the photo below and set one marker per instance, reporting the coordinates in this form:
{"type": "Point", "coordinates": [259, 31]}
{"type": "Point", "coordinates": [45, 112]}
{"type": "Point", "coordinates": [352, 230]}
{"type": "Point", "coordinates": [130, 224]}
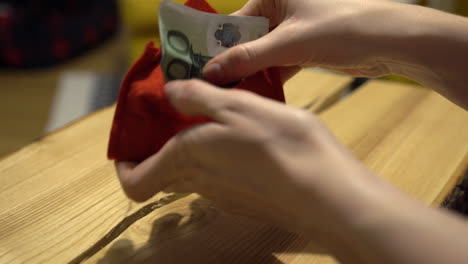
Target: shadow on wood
{"type": "Point", "coordinates": [204, 235]}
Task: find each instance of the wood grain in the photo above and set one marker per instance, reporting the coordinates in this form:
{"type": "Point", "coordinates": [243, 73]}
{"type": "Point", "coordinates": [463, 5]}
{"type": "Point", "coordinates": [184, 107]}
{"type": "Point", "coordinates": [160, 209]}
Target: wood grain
{"type": "Point", "coordinates": [315, 90]}
{"type": "Point", "coordinates": [27, 95]}
{"type": "Point", "coordinates": [59, 196]}
{"type": "Point", "coordinates": [410, 135]}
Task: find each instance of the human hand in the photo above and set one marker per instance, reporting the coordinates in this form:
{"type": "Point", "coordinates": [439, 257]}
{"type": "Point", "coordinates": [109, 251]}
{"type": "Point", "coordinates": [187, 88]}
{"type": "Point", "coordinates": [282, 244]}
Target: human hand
{"type": "Point", "coordinates": [258, 158]}
{"type": "Point", "coordinates": [337, 35]}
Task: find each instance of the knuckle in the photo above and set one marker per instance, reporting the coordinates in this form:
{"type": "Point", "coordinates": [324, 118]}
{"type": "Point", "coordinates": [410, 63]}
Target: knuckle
{"type": "Point", "coordinates": [303, 117]}
{"type": "Point", "coordinates": [194, 82]}
{"type": "Point", "coordinates": [241, 94]}
{"type": "Point", "coordinates": [303, 125]}
{"type": "Point", "coordinates": [238, 100]}
{"type": "Point", "coordinates": [190, 84]}
{"type": "Point", "coordinates": [187, 90]}
{"type": "Point", "coordinates": [240, 55]}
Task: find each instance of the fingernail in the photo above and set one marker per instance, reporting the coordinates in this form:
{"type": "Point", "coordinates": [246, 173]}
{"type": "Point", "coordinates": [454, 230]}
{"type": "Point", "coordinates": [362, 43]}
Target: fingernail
{"type": "Point", "coordinates": [213, 73]}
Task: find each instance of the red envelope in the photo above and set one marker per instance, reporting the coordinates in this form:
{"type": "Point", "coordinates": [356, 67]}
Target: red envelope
{"type": "Point", "coordinates": [144, 120]}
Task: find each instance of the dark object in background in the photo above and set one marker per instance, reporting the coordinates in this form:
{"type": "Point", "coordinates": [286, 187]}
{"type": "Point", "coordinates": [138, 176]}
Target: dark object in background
{"type": "Point", "coordinates": [358, 82]}
{"type": "Point", "coordinates": [41, 33]}
{"type": "Point", "coordinates": [458, 199]}
{"type": "Point", "coordinates": [106, 91]}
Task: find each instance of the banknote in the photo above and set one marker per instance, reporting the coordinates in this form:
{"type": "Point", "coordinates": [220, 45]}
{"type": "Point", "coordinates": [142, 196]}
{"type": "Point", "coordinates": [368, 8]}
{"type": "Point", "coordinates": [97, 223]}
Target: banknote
{"type": "Point", "coordinates": [190, 38]}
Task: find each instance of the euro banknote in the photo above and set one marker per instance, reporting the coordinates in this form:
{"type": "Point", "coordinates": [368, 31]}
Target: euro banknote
{"type": "Point", "coordinates": [190, 38]}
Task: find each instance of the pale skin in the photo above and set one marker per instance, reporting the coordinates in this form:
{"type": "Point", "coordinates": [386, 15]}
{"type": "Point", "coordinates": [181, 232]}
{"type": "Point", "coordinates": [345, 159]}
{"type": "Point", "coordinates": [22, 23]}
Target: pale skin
{"type": "Point", "coordinates": [275, 162]}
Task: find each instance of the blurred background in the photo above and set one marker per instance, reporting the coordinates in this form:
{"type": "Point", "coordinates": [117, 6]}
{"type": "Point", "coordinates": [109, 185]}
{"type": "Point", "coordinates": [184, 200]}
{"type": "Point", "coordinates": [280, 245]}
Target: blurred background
{"type": "Point", "coordinates": [62, 60]}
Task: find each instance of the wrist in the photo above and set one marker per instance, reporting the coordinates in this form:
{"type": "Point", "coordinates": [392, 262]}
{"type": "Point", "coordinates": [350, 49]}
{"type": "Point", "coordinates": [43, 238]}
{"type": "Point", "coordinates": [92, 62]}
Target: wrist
{"type": "Point", "coordinates": [430, 49]}
{"type": "Point", "coordinates": [352, 210]}
{"type": "Point", "coordinates": [379, 36]}
{"type": "Point", "coordinates": [344, 200]}
{"type": "Point", "coordinates": [420, 43]}
{"type": "Point", "coordinates": [372, 225]}
{"type": "Point", "coordinates": [395, 36]}
{"type": "Point", "coordinates": [405, 43]}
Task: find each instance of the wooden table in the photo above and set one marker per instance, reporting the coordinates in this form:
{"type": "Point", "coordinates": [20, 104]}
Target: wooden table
{"type": "Point", "coordinates": [60, 200]}
{"type": "Point", "coordinates": [27, 95]}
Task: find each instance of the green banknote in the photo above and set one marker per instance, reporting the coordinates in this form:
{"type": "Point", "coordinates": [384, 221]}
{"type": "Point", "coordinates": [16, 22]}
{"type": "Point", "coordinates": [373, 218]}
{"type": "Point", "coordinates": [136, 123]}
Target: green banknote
{"type": "Point", "coordinates": [190, 38]}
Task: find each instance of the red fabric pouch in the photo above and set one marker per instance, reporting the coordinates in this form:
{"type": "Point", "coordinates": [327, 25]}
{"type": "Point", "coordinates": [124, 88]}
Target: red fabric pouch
{"type": "Point", "coordinates": [144, 120]}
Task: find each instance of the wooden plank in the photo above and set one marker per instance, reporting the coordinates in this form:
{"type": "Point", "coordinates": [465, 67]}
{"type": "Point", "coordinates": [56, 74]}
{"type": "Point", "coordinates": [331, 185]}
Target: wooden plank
{"type": "Point", "coordinates": [409, 135]}
{"type": "Point", "coordinates": [400, 131]}
{"type": "Point", "coordinates": [315, 90]}
{"type": "Point", "coordinates": [60, 186]}
{"type": "Point", "coordinates": [202, 234]}
{"type": "Point", "coordinates": [60, 195]}
{"type": "Point", "coordinates": [28, 94]}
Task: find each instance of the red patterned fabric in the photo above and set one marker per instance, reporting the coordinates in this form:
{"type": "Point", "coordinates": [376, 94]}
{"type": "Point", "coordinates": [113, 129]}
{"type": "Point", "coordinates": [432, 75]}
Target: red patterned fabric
{"type": "Point", "coordinates": [144, 120]}
{"type": "Point", "coordinates": [44, 33]}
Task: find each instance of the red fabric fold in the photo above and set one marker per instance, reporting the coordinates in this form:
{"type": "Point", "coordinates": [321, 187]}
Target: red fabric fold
{"type": "Point", "coordinates": [144, 120]}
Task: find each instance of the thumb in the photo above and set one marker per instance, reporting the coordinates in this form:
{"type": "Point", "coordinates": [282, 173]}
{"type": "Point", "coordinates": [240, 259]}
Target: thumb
{"type": "Point", "coordinates": [246, 59]}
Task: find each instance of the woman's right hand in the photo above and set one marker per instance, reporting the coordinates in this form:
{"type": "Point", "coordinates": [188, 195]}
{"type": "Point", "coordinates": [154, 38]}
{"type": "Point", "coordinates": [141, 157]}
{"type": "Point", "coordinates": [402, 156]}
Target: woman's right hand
{"type": "Point", "coordinates": [363, 38]}
{"type": "Point", "coordinates": [336, 35]}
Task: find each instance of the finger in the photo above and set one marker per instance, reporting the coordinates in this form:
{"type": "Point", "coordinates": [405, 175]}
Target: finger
{"type": "Point", "coordinates": [124, 168]}
{"type": "Point", "coordinates": [171, 164]}
{"type": "Point", "coordinates": [141, 181]}
{"type": "Point", "coordinates": [248, 58]}
{"type": "Point", "coordinates": [228, 107]}
{"type": "Point", "coordinates": [198, 98]}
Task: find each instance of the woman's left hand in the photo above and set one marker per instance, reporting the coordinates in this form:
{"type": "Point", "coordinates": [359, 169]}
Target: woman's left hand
{"type": "Point", "coordinates": [258, 158]}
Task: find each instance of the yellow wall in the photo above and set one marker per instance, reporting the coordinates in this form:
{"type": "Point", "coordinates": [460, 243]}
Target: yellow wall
{"type": "Point", "coordinates": [141, 20]}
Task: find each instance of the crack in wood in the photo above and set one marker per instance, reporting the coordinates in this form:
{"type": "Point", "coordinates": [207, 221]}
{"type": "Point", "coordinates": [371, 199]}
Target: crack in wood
{"type": "Point", "coordinates": [124, 224]}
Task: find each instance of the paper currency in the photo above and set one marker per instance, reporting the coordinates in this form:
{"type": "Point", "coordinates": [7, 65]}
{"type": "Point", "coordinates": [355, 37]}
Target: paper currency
{"type": "Point", "coordinates": [190, 38]}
